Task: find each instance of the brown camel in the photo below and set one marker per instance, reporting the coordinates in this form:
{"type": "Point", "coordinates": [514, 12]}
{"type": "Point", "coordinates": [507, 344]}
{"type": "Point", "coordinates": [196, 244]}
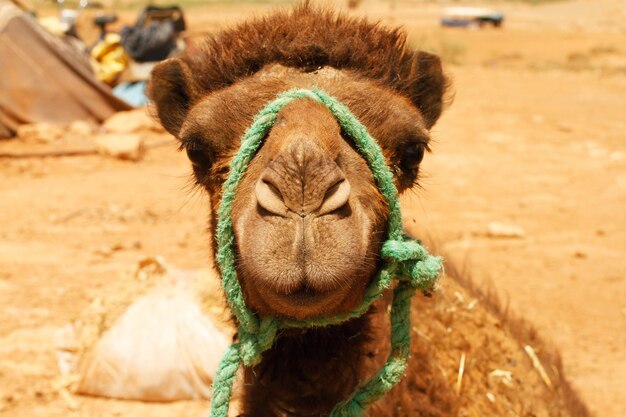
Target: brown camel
{"type": "Point", "coordinates": [308, 218]}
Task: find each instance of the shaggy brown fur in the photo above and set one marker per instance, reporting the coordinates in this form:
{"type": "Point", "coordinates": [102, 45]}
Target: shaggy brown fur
{"type": "Point", "coordinates": [308, 217]}
{"type": "Point", "coordinates": [311, 39]}
{"type": "Point", "coordinates": [331, 362]}
{"type": "Point", "coordinates": [521, 330]}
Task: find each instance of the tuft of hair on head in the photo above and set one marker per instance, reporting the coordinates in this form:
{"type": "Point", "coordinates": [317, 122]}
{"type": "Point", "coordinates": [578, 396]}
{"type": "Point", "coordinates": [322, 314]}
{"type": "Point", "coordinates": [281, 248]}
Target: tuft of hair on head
{"type": "Point", "coordinates": [308, 38]}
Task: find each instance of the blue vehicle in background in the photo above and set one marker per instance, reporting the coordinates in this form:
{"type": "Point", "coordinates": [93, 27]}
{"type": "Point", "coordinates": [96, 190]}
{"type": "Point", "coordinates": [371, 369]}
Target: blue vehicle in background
{"type": "Point", "coordinates": [471, 17]}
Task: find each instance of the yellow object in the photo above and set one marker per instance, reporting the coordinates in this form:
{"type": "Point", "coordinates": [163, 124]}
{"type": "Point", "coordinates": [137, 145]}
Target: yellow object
{"type": "Point", "coordinates": [109, 59]}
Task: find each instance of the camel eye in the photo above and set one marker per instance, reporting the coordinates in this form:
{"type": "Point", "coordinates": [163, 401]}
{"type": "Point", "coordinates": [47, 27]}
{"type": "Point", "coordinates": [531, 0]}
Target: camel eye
{"type": "Point", "coordinates": [198, 155]}
{"type": "Point", "coordinates": [412, 156]}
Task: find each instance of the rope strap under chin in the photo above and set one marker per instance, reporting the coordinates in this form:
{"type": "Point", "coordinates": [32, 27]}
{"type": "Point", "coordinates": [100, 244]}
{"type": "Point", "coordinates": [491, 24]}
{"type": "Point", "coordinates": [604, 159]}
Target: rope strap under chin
{"type": "Point", "coordinates": [404, 259]}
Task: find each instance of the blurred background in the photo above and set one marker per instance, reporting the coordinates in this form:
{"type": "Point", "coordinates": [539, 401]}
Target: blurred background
{"type": "Point", "coordinates": [525, 189]}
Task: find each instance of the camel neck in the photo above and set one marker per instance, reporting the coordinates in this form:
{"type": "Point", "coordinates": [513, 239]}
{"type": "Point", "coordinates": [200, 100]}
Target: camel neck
{"type": "Point", "coordinates": [308, 371]}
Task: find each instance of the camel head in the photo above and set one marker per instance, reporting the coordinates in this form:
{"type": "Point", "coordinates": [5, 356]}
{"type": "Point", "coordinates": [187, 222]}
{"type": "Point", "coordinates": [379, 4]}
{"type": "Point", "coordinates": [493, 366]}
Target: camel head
{"type": "Point", "coordinates": [308, 218]}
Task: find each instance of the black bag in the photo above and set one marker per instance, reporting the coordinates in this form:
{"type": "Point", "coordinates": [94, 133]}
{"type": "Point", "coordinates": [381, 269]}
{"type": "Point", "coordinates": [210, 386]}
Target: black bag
{"type": "Point", "coordinates": [155, 42]}
{"type": "Point", "coordinates": [153, 38]}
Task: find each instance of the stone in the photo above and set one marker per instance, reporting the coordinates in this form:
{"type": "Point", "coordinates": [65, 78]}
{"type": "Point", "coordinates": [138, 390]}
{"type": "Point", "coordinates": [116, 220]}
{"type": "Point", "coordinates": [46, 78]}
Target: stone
{"type": "Point", "coordinates": [564, 127]}
{"type": "Point", "coordinates": [40, 133]}
{"type": "Point", "coordinates": [131, 121]}
{"type": "Point", "coordinates": [82, 128]}
{"type": "Point", "coordinates": [504, 230]}
{"type": "Point", "coordinates": [127, 146]}
{"type": "Point", "coordinates": [537, 118]}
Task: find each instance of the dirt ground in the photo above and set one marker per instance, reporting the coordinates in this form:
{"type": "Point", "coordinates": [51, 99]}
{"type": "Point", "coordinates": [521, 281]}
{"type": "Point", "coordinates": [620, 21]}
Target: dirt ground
{"type": "Point", "coordinates": [535, 138]}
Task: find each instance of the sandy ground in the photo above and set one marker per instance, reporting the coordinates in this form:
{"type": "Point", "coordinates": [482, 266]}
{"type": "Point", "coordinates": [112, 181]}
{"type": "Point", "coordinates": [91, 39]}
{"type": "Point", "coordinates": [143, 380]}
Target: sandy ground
{"type": "Point", "coordinates": [541, 152]}
{"type": "Point", "coordinates": [535, 138]}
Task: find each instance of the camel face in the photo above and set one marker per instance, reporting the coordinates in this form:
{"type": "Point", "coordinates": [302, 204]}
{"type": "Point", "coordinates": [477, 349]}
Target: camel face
{"type": "Point", "coordinates": [308, 217]}
{"type": "Point", "coordinates": [306, 235]}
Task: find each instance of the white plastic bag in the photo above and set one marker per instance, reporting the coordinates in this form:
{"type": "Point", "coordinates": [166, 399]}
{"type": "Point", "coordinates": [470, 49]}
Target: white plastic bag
{"type": "Point", "coordinates": [162, 348]}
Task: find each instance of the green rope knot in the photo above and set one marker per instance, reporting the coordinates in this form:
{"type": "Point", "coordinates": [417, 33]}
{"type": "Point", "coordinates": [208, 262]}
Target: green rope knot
{"type": "Point", "coordinates": [252, 345]}
{"type": "Point", "coordinates": [408, 259]}
{"type": "Point", "coordinates": [405, 259]}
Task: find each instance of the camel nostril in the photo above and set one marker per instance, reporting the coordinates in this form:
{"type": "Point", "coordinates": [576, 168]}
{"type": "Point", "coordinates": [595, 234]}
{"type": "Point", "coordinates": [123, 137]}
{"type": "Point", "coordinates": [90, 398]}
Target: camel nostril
{"type": "Point", "coordinates": [336, 197]}
{"type": "Point", "coordinates": [269, 197]}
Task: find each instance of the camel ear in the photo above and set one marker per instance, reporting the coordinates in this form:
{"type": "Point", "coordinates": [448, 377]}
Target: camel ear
{"type": "Point", "coordinates": [427, 86]}
{"type": "Point", "coordinates": [171, 93]}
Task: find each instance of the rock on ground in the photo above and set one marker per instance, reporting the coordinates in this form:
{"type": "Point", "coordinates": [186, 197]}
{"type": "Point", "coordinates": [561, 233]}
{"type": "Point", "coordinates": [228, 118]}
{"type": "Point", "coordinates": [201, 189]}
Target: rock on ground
{"type": "Point", "coordinates": [131, 121]}
{"type": "Point", "coordinates": [127, 146]}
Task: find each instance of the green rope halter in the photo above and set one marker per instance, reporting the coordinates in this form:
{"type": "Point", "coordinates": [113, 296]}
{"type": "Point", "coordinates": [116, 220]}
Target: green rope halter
{"type": "Point", "coordinates": [405, 258]}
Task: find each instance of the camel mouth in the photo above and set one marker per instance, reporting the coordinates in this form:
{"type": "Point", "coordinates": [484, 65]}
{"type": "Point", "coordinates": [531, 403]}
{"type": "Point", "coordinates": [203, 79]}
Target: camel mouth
{"type": "Point", "coordinates": [307, 297]}
{"type": "Point", "coordinates": [306, 305]}
{"type": "Point", "coordinates": [302, 302]}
